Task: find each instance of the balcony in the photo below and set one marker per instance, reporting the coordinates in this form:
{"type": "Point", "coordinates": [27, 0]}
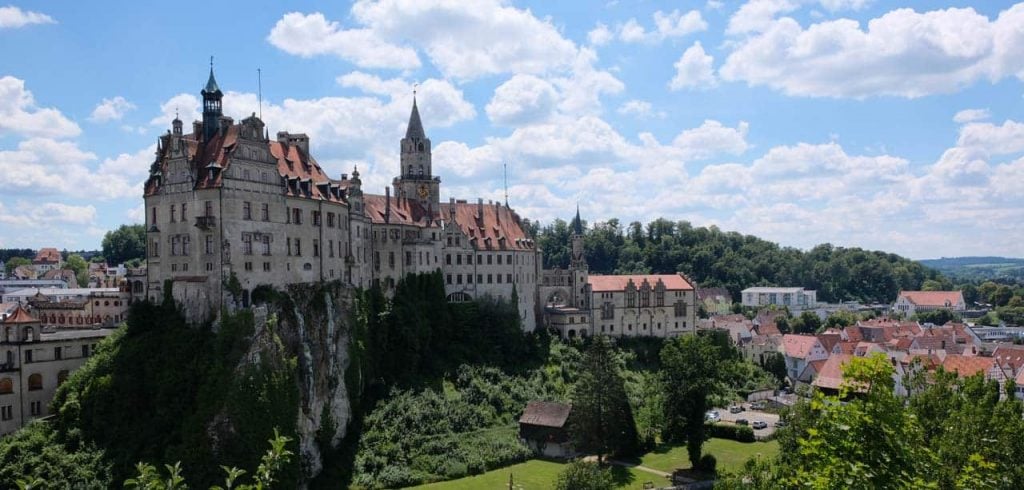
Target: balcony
{"type": "Point", "coordinates": [205, 222]}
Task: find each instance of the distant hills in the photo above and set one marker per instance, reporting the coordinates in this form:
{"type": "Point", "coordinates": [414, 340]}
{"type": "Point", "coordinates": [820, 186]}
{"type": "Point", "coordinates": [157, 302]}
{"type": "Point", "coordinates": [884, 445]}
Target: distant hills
{"type": "Point", "coordinates": [978, 268]}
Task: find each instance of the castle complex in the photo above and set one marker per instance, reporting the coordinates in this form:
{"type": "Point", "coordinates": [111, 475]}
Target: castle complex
{"type": "Point", "coordinates": [228, 209]}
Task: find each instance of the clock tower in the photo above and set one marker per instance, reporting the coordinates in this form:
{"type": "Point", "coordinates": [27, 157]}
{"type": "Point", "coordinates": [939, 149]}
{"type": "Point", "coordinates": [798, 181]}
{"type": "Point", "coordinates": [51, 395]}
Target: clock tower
{"type": "Point", "coordinates": [415, 180]}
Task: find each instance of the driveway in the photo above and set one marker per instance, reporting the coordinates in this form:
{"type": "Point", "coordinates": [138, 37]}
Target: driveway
{"type": "Point", "coordinates": [751, 416]}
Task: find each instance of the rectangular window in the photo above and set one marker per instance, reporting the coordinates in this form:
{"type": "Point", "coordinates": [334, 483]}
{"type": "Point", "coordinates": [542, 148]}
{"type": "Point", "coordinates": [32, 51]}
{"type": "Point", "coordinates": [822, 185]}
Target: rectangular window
{"type": "Point", "coordinates": [184, 211]}
{"type": "Point", "coordinates": [287, 215]}
{"type": "Point", "coordinates": [186, 245]}
{"type": "Point", "coordinates": [508, 278]}
{"type": "Point", "coordinates": [469, 278]}
{"type": "Point", "coordinates": [448, 279]}
{"type": "Point", "coordinates": [57, 353]}
{"type": "Point", "coordinates": [499, 259]}
{"type": "Point", "coordinates": [458, 259]}
{"type": "Point", "coordinates": [208, 208]}
{"type": "Point", "coordinates": [458, 279]}
{"type": "Point", "coordinates": [297, 216]}
{"type": "Point", "coordinates": [330, 220]}
{"type": "Point", "coordinates": [85, 350]}
{"type": "Point", "coordinates": [316, 218]}
{"type": "Point", "coordinates": [248, 266]}
{"type": "Point", "coordinates": [508, 259]}
{"type": "Point", "coordinates": [376, 261]}
{"type": "Point", "coordinates": [246, 210]}
{"type": "Point", "coordinates": [209, 245]}
{"type": "Point", "coordinates": [499, 276]}
{"type": "Point", "coordinates": [489, 258]}
{"type": "Point", "coordinates": [490, 279]}
{"type": "Point", "coordinates": [448, 259]}
{"type": "Point", "coordinates": [28, 356]}
{"type": "Point", "coordinates": [7, 412]}
{"type": "Point", "coordinates": [479, 259]}
{"type": "Point", "coordinates": [152, 220]}
{"type": "Point", "coordinates": [36, 408]}
{"type": "Point", "coordinates": [209, 266]}
{"type": "Point", "coordinates": [173, 214]}
{"type": "Point", "coordinates": [479, 278]}
{"type": "Point", "coordinates": [266, 244]}
{"type": "Point", "coordinates": [408, 258]}
{"type": "Point", "coordinates": [298, 247]}
{"type": "Point", "coordinates": [266, 267]}
{"type": "Point", "coordinates": [265, 212]}
{"type": "Point", "coordinates": [330, 248]}
{"type": "Point", "coordinates": [247, 244]}
{"type": "Point", "coordinates": [154, 248]}
{"type": "Point", "coordinates": [391, 260]}
{"type": "Point", "coordinates": [288, 244]}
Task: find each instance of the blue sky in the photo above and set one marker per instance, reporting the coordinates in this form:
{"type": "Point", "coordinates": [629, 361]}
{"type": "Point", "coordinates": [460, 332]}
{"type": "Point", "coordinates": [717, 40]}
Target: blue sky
{"type": "Point", "coordinates": [888, 126]}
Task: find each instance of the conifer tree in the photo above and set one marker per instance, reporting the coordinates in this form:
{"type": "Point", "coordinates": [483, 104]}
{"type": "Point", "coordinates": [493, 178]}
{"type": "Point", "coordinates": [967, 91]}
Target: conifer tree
{"type": "Point", "coordinates": [602, 420]}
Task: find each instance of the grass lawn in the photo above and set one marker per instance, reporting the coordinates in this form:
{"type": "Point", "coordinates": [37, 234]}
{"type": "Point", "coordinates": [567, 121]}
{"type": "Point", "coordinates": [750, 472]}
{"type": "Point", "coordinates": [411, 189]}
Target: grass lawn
{"type": "Point", "coordinates": [730, 454]}
{"type": "Point", "coordinates": [538, 474]}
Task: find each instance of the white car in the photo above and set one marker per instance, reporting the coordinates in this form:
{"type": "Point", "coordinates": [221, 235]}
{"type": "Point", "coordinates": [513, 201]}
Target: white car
{"type": "Point", "coordinates": [712, 416]}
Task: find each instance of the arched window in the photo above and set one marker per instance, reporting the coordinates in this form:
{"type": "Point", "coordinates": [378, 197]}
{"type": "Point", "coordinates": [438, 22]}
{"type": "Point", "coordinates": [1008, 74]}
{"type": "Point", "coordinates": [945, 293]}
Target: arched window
{"type": "Point", "coordinates": [62, 376]}
{"type": "Point", "coordinates": [35, 382]}
{"type": "Point", "coordinates": [6, 386]}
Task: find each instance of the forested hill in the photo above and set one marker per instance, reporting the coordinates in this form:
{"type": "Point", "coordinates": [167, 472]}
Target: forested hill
{"type": "Point", "coordinates": [716, 258]}
{"type": "Point", "coordinates": [978, 269]}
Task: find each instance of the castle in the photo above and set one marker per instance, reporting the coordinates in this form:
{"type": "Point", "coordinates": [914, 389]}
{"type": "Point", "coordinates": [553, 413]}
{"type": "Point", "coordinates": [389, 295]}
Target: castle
{"type": "Point", "coordinates": [228, 209]}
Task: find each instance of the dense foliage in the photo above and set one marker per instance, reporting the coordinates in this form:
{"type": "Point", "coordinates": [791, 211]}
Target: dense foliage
{"type": "Point", "coordinates": [31, 454]}
{"type": "Point", "coordinates": [583, 475]}
{"type": "Point", "coordinates": [978, 269]}
{"type": "Point", "coordinates": [734, 261]}
{"type": "Point", "coordinates": [161, 391]}
{"type": "Point", "coordinates": [691, 369]}
{"type": "Point", "coordinates": [126, 243]}
{"type": "Point", "coordinates": [954, 433]}
{"type": "Point", "coordinates": [602, 420]}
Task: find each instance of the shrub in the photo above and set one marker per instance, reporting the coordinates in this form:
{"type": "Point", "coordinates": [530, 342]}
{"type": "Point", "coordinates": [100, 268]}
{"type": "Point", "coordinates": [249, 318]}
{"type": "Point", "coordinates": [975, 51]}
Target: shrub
{"type": "Point", "coordinates": [584, 475]}
{"type": "Point", "coordinates": [706, 463]}
{"type": "Point", "coordinates": [741, 433]}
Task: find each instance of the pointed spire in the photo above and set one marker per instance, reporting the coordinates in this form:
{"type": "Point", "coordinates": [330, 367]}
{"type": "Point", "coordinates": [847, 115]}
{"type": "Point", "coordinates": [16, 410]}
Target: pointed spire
{"type": "Point", "coordinates": [211, 84]}
{"type": "Point", "coordinates": [415, 129]}
{"type": "Point", "coordinates": [577, 223]}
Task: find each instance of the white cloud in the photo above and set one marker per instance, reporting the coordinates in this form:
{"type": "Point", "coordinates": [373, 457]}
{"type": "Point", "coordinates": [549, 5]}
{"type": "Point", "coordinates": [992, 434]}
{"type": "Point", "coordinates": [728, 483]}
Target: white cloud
{"type": "Point", "coordinates": [182, 106]}
{"type": "Point", "coordinates": [42, 166]}
{"type": "Point", "coordinates": [714, 5]}
{"type": "Point", "coordinates": [463, 43]}
{"type": "Point", "coordinates": [712, 138]}
{"type": "Point", "coordinates": [600, 35]}
{"type": "Point", "coordinates": [666, 26]}
{"type": "Point", "coordinates": [640, 109]}
{"type": "Point", "coordinates": [111, 109]}
{"type": "Point", "coordinates": [694, 70]}
{"type": "Point", "coordinates": [991, 139]}
{"type": "Point", "coordinates": [13, 17]}
{"type": "Point", "coordinates": [313, 34]}
{"type": "Point", "coordinates": [902, 53]}
{"type": "Point", "coordinates": [522, 99]}
{"type": "Point", "coordinates": [582, 89]}
{"type": "Point", "coordinates": [19, 114]}
{"type": "Point", "coordinates": [969, 115]}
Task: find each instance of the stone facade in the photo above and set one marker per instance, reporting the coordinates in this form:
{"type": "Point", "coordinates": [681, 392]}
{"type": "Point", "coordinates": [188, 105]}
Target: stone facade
{"type": "Point", "coordinates": [228, 209]}
{"type": "Point", "coordinates": [577, 303]}
{"type": "Point", "coordinates": [34, 362]}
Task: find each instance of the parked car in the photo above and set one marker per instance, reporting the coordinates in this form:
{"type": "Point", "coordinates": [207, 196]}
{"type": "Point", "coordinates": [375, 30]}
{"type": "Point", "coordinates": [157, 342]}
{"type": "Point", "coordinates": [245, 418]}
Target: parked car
{"type": "Point", "coordinates": [735, 409]}
{"type": "Point", "coordinates": [712, 416]}
{"type": "Point", "coordinates": [759, 424]}
{"type": "Point", "coordinates": [741, 421]}
{"type": "Point", "coordinates": [758, 405]}
{"type": "Point", "coordinates": [780, 423]}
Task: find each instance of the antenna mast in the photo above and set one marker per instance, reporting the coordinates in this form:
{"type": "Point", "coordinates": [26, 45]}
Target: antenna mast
{"type": "Point", "coordinates": [259, 90]}
{"type": "Point", "coordinates": [504, 166]}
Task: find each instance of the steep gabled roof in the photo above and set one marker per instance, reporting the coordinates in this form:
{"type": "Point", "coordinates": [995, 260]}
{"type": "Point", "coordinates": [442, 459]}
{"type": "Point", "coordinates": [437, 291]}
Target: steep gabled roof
{"type": "Point", "coordinates": [830, 375]}
{"type": "Point", "coordinates": [20, 315]}
{"type": "Point", "coordinates": [489, 226]}
{"type": "Point", "coordinates": [415, 127]}
{"type": "Point", "coordinates": [799, 346]}
{"type": "Point", "coordinates": [546, 414]}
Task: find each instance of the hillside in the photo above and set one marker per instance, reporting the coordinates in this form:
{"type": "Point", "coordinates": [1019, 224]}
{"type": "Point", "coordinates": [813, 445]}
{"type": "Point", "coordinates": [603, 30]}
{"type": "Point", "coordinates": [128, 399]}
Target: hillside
{"type": "Point", "coordinates": [713, 257]}
{"type": "Point", "coordinates": [977, 269]}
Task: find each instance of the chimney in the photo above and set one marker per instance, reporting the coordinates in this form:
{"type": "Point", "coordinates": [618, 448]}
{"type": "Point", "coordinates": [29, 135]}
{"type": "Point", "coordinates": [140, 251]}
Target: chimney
{"type": "Point", "coordinates": [387, 204]}
{"type": "Point", "coordinates": [497, 211]}
{"type": "Point", "coordinates": [480, 208]}
{"type": "Point", "coordinates": [282, 137]}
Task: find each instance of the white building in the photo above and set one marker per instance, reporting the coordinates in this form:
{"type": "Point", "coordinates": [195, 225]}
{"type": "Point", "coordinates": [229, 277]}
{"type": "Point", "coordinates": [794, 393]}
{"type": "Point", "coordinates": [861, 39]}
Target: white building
{"type": "Point", "coordinates": [911, 302]}
{"type": "Point", "coordinates": [34, 362]}
{"type": "Point", "coordinates": [796, 299]}
{"type": "Point", "coordinates": [800, 350]}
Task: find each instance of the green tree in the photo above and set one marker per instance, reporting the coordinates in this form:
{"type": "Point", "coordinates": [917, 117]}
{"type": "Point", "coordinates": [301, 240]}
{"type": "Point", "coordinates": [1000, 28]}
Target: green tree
{"type": "Point", "coordinates": [581, 475]}
{"type": "Point", "coordinates": [125, 243]}
{"type": "Point", "coordinates": [76, 263]}
{"type": "Point", "coordinates": [931, 285]}
{"type": "Point", "coordinates": [775, 364]}
{"type": "Point", "coordinates": [840, 319]}
{"type": "Point", "coordinates": [14, 262]}
{"type": "Point", "coordinates": [937, 317]}
{"type": "Point", "coordinates": [602, 420]}
{"type": "Point", "coordinates": [690, 367]}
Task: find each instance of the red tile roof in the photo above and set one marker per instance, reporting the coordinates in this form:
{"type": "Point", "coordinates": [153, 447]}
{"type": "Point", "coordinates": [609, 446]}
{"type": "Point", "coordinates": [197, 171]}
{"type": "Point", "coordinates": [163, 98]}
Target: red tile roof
{"type": "Point", "coordinates": [933, 298]}
{"type": "Point", "coordinates": [769, 328]}
{"type": "Point", "coordinates": [47, 256]}
{"type": "Point", "coordinates": [403, 211]}
{"type": "Point", "coordinates": [498, 228]}
{"type": "Point", "coordinates": [673, 282]}
{"type": "Point", "coordinates": [828, 341]}
{"type": "Point", "coordinates": [967, 365]}
{"type": "Point", "coordinates": [798, 346]}
{"type": "Point", "coordinates": [20, 315]}
{"type": "Point", "coordinates": [1010, 354]}
{"type": "Point", "coordinates": [830, 375]}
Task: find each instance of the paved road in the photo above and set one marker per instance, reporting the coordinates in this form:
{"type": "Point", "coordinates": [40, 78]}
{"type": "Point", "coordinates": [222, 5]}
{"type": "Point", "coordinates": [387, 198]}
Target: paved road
{"type": "Point", "coordinates": [751, 416]}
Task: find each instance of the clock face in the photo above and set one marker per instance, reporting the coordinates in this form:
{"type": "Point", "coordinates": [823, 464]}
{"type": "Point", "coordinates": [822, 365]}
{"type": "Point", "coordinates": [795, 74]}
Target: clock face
{"type": "Point", "coordinates": [423, 191]}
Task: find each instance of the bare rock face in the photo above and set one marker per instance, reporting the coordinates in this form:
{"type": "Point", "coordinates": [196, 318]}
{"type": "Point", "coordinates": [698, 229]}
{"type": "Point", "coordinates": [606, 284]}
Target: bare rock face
{"type": "Point", "coordinates": [314, 327]}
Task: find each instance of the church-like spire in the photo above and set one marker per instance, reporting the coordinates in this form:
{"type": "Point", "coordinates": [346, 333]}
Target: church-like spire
{"type": "Point", "coordinates": [415, 129]}
{"type": "Point", "coordinates": [577, 223]}
{"type": "Point", "coordinates": [211, 84]}
{"type": "Point", "coordinates": [211, 106]}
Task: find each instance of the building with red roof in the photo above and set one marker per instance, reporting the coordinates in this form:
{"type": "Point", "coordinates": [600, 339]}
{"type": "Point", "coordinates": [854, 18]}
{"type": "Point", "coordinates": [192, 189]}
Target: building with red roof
{"type": "Point", "coordinates": [910, 302]}
{"type": "Point", "coordinates": [228, 200]}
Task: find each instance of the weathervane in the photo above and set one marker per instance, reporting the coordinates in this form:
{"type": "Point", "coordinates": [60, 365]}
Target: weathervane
{"type": "Point", "coordinates": [415, 85]}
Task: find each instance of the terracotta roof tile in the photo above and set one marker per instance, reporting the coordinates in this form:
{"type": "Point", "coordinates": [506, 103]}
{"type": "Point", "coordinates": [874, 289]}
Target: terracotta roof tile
{"type": "Point", "coordinates": [20, 315]}
{"type": "Point", "coordinates": [933, 298]}
{"type": "Point", "coordinates": [497, 228]}
{"type": "Point", "coordinates": [672, 282]}
{"type": "Point", "coordinates": [799, 346]}
{"type": "Point", "coordinates": [831, 374]}
{"type": "Point", "coordinates": [403, 211]}
{"type": "Point", "coordinates": [967, 365]}
{"type": "Point", "coordinates": [47, 256]}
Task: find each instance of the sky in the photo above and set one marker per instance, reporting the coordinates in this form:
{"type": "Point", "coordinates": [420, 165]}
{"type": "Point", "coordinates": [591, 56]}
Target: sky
{"type": "Point", "coordinates": [861, 123]}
